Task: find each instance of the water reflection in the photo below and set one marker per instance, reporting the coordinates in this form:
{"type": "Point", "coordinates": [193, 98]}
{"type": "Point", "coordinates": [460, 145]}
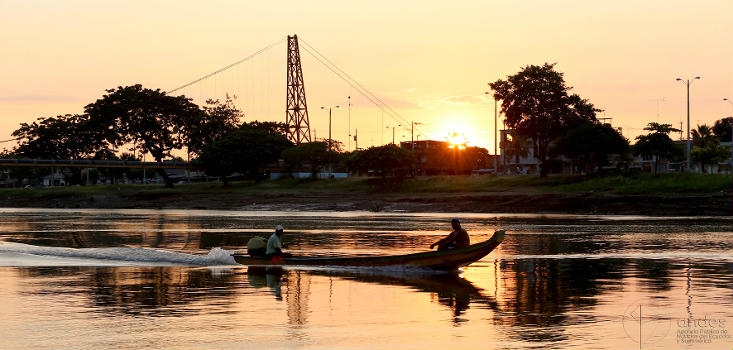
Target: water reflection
{"type": "Point", "coordinates": [149, 291]}
{"type": "Point", "coordinates": [549, 280]}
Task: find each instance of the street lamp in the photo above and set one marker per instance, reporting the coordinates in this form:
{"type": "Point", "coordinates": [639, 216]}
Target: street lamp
{"type": "Point", "coordinates": [687, 84]}
{"type": "Point", "coordinates": [731, 134]}
{"type": "Point", "coordinates": [393, 127]}
{"type": "Point", "coordinates": [329, 125]}
{"type": "Point", "coordinates": [496, 170]}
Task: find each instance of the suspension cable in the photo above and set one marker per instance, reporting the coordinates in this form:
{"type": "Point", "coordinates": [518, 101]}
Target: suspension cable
{"type": "Point", "coordinates": [357, 86]}
{"type": "Point", "coordinates": [228, 66]}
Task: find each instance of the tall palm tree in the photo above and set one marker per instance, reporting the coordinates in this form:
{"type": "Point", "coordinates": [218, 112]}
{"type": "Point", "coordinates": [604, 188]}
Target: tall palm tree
{"type": "Point", "coordinates": [704, 137]}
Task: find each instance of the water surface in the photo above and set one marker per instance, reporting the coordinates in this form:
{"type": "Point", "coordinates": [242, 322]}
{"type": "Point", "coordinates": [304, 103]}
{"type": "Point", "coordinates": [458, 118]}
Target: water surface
{"type": "Point", "coordinates": [164, 279]}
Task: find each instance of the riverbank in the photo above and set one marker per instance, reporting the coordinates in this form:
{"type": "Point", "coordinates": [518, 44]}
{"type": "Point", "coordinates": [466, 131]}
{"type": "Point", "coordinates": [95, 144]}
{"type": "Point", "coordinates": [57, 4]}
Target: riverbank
{"type": "Point", "coordinates": [670, 194]}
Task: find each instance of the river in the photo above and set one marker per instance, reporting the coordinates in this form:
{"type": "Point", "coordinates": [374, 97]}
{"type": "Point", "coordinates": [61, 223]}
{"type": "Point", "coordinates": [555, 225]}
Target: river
{"type": "Point", "coordinates": [144, 279]}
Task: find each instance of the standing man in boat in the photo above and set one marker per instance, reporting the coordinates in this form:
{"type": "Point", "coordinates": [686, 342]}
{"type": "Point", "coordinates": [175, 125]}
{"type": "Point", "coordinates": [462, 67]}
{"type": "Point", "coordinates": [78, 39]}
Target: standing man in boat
{"type": "Point", "coordinates": [456, 239]}
{"type": "Point", "coordinates": [275, 246]}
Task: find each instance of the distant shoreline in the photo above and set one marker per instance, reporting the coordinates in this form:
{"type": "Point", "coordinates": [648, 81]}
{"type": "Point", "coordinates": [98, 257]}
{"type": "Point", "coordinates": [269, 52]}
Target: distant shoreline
{"type": "Point", "coordinates": [564, 195]}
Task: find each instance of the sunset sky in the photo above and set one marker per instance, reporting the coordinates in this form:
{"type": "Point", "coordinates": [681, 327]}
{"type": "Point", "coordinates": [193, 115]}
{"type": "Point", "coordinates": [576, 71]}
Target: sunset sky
{"type": "Point", "coordinates": [429, 60]}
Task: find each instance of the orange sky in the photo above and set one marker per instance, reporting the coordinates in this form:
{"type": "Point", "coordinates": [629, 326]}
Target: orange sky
{"type": "Point", "coordinates": [429, 60]}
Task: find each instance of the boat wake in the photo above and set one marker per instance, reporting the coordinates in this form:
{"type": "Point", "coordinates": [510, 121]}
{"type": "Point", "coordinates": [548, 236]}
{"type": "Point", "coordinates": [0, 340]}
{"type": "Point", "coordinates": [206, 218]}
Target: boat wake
{"type": "Point", "coordinates": [19, 254]}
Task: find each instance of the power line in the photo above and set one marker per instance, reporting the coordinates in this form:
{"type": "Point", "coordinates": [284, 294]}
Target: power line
{"type": "Point", "coordinates": [227, 67]}
{"type": "Point", "coordinates": [356, 85]}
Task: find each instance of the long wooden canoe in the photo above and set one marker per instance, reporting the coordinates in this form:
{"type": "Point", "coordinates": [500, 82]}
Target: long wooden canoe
{"type": "Point", "coordinates": [438, 260]}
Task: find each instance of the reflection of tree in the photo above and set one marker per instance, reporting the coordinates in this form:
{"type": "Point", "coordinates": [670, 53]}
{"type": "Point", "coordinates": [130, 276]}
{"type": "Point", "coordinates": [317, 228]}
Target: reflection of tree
{"type": "Point", "coordinates": [152, 291]}
{"type": "Point", "coordinates": [541, 292]}
{"type": "Point", "coordinates": [655, 274]}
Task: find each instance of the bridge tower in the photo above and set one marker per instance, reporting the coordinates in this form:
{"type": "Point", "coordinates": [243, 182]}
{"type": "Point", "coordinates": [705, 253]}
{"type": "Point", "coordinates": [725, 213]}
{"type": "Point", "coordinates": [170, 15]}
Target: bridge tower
{"type": "Point", "coordinates": [296, 112]}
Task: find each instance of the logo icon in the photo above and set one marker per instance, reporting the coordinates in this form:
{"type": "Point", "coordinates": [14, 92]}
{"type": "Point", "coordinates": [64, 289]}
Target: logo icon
{"type": "Point", "coordinates": [645, 324]}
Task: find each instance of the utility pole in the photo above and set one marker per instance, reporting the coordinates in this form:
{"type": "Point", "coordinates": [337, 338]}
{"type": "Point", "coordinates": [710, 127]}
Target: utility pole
{"type": "Point", "coordinates": [731, 135]}
{"type": "Point", "coordinates": [349, 147]}
{"type": "Point", "coordinates": [393, 128]}
{"type": "Point", "coordinates": [496, 118]}
{"type": "Point", "coordinates": [356, 139]}
{"type": "Point", "coordinates": [329, 125]}
{"type": "Point", "coordinates": [687, 84]}
{"type": "Point", "coordinates": [412, 134]}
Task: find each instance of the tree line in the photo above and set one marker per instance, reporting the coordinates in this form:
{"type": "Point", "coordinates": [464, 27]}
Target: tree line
{"type": "Point", "coordinates": [139, 121]}
{"type": "Point", "coordinates": [539, 107]}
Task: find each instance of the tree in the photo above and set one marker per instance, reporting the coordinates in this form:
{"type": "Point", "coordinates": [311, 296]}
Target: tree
{"type": "Point", "coordinates": [245, 150]}
{"type": "Point", "coordinates": [536, 104]}
{"type": "Point", "coordinates": [706, 147]}
{"type": "Point", "coordinates": [703, 136]}
{"type": "Point", "coordinates": [152, 121]}
{"type": "Point", "coordinates": [313, 155]}
{"type": "Point", "coordinates": [722, 129]}
{"type": "Point", "coordinates": [385, 160]}
{"type": "Point", "coordinates": [591, 144]}
{"type": "Point", "coordinates": [218, 119]}
{"type": "Point", "coordinates": [62, 137]}
{"type": "Point", "coordinates": [657, 143]}
{"type": "Point", "coordinates": [271, 127]}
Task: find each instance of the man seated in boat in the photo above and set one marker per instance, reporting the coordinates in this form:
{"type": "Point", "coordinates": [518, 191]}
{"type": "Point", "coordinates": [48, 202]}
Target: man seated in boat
{"type": "Point", "coordinates": [275, 246]}
{"type": "Point", "coordinates": [456, 239]}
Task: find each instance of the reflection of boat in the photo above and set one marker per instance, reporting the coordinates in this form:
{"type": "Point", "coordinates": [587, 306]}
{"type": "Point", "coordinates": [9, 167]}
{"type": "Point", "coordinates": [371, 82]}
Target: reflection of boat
{"type": "Point", "coordinates": [440, 260]}
{"type": "Point", "coordinates": [449, 289]}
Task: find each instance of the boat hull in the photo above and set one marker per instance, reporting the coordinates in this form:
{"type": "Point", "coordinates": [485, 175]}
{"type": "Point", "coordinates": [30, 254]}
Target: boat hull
{"type": "Point", "coordinates": [438, 260]}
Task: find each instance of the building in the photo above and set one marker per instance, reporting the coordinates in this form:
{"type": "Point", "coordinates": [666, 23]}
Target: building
{"type": "Point", "coordinates": [517, 154]}
{"type": "Point", "coordinates": [444, 158]}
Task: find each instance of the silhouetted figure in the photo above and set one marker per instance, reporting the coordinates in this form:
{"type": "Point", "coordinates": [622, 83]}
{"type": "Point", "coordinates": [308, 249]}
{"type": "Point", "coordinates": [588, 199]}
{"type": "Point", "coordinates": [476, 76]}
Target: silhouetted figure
{"type": "Point", "coordinates": [275, 246]}
{"type": "Point", "coordinates": [456, 239]}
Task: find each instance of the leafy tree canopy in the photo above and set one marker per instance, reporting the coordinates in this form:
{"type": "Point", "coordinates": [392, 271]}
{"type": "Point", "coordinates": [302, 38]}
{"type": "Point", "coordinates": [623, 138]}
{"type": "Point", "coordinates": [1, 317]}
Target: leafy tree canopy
{"type": "Point", "coordinates": [149, 119]}
{"type": "Point", "coordinates": [63, 137]}
{"type": "Point", "coordinates": [657, 143]}
{"type": "Point", "coordinates": [722, 129]}
{"type": "Point", "coordinates": [385, 160]}
{"type": "Point", "coordinates": [218, 119]}
{"type": "Point", "coordinates": [313, 155]}
{"type": "Point", "coordinates": [537, 104]}
{"type": "Point", "coordinates": [591, 144]}
{"type": "Point", "coordinates": [245, 150]}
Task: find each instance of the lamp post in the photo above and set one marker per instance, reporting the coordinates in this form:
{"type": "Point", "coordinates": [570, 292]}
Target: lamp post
{"type": "Point", "coordinates": [731, 134]}
{"type": "Point", "coordinates": [687, 84]}
{"type": "Point", "coordinates": [495, 126]}
{"type": "Point", "coordinates": [329, 125]}
{"type": "Point", "coordinates": [393, 127]}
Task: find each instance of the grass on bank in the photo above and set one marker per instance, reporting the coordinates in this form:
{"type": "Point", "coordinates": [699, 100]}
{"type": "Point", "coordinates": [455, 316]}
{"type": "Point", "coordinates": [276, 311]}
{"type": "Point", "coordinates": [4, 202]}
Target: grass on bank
{"type": "Point", "coordinates": [619, 184]}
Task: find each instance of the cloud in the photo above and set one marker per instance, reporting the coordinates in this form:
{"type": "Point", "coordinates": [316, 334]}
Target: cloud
{"type": "Point", "coordinates": [464, 99]}
{"type": "Point", "coordinates": [36, 98]}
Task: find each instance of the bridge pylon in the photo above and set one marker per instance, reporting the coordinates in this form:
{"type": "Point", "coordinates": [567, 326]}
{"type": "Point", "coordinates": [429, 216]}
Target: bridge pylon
{"type": "Point", "coordinates": [296, 112]}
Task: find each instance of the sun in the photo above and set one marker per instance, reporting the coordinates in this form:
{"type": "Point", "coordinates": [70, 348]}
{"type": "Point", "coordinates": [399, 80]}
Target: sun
{"type": "Point", "coordinates": [457, 140]}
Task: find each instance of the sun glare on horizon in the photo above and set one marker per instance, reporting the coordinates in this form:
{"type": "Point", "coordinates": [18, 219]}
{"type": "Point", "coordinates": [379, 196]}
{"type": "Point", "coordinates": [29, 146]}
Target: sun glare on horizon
{"type": "Point", "coordinates": [457, 140]}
